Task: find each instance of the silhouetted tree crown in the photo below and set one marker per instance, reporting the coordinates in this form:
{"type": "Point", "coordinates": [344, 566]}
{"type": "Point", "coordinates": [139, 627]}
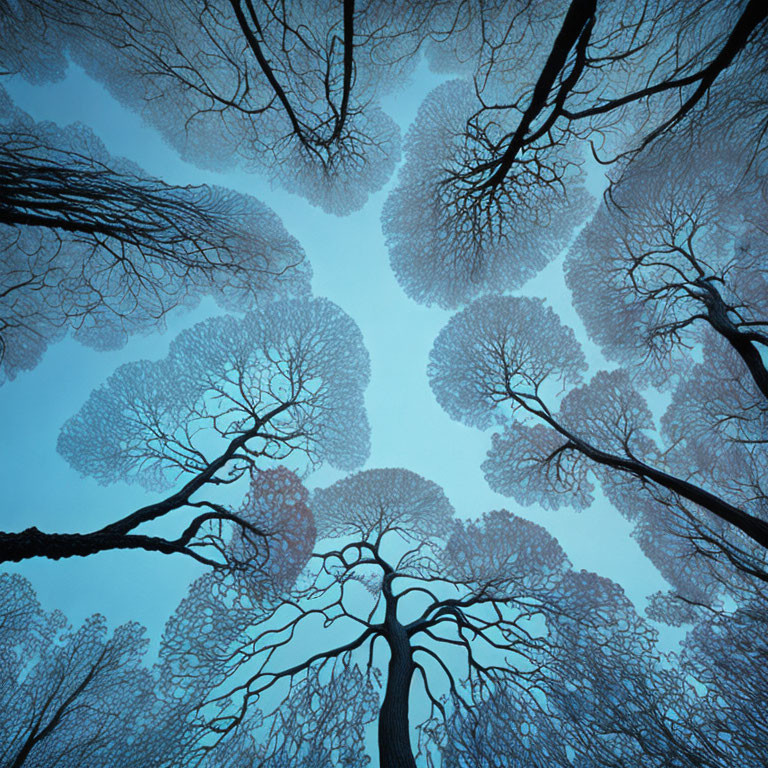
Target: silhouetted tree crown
{"type": "Point", "coordinates": [283, 383]}
{"type": "Point", "coordinates": [491, 189]}
{"type": "Point", "coordinates": [674, 254]}
{"type": "Point", "coordinates": [507, 360]}
{"type": "Point", "coordinates": [288, 89]}
{"type": "Point", "coordinates": [322, 617]}
{"type": "Point", "coordinates": [92, 246]}
{"type": "Point", "coordinates": [70, 697]}
{"type": "Point", "coordinates": [460, 608]}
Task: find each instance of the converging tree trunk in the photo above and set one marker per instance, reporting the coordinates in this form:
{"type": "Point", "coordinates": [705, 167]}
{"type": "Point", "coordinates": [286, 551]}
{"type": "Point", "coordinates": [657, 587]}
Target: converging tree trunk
{"type": "Point", "coordinates": [743, 342]}
{"type": "Point", "coordinates": [394, 732]}
{"type": "Point", "coordinates": [333, 694]}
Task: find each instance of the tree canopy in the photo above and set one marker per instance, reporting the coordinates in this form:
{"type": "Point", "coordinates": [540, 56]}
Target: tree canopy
{"type": "Point", "coordinates": [69, 696]}
{"type": "Point", "coordinates": [289, 89]}
{"type": "Point", "coordinates": [491, 189]}
{"type": "Point", "coordinates": [616, 151]}
{"type": "Point", "coordinates": [92, 246]}
{"type": "Point", "coordinates": [284, 382]}
{"type": "Point", "coordinates": [675, 254]}
{"type": "Point", "coordinates": [505, 360]}
{"type": "Point", "coordinates": [461, 608]}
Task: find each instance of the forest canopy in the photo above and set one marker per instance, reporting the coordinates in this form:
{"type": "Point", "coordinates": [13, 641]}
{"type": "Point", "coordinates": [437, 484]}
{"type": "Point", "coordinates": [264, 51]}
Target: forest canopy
{"type": "Point", "coordinates": [377, 236]}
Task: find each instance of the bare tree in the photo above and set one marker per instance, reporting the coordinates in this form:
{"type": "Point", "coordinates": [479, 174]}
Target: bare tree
{"type": "Point", "coordinates": [289, 89]}
{"type": "Point", "coordinates": [32, 47]}
{"type": "Point", "coordinates": [445, 247]}
{"type": "Point", "coordinates": [91, 245]}
{"type": "Point", "coordinates": [492, 169]}
{"type": "Point", "coordinates": [724, 654]}
{"type": "Point", "coordinates": [608, 697]}
{"type": "Point", "coordinates": [70, 697]}
{"type": "Point", "coordinates": [459, 607]}
{"type": "Point", "coordinates": [506, 360]}
{"type": "Point", "coordinates": [233, 394]}
{"type": "Point", "coordinates": [674, 254]}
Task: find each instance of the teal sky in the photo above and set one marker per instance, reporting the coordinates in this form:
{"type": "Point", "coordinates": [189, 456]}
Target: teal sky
{"type": "Point", "coordinates": [351, 267]}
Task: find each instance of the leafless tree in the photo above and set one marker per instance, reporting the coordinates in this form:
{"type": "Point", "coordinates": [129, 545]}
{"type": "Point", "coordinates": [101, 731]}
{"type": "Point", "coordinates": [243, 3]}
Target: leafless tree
{"type": "Point", "coordinates": [507, 360]}
{"type": "Point", "coordinates": [459, 608]}
{"type": "Point", "coordinates": [493, 171]}
{"type": "Point", "coordinates": [70, 697]}
{"type": "Point", "coordinates": [289, 89]}
{"type": "Point", "coordinates": [232, 394]}
{"type": "Point", "coordinates": [91, 245]}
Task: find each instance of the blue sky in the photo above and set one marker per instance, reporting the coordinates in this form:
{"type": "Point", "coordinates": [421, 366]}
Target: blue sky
{"type": "Point", "coordinates": [350, 265]}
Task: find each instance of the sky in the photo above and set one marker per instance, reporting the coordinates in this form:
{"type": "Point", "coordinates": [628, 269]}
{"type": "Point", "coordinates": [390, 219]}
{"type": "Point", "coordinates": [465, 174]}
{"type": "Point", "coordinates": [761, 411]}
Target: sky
{"type": "Point", "coordinates": [351, 267]}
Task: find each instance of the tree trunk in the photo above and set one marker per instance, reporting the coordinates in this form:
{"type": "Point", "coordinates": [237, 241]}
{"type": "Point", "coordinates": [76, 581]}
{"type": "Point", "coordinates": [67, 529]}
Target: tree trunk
{"type": "Point", "coordinates": [754, 527]}
{"type": "Point", "coordinates": [717, 315]}
{"type": "Point", "coordinates": [578, 21]}
{"type": "Point", "coordinates": [15, 547]}
{"type": "Point", "coordinates": [394, 731]}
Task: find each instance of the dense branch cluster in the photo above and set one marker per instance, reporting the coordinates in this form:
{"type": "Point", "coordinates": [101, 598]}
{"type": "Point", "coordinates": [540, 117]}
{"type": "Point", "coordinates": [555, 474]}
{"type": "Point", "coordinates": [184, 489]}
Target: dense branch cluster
{"type": "Point", "coordinates": [450, 238]}
{"type": "Point", "coordinates": [69, 696]}
{"type": "Point", "coordinates": [367, 611]}
{"type": "Point", "coordinates": [613, 700]}
{"type": "Point", "coordinates": [402, 575]}
{"type": "Point", "coordinates": [290, 89]}
{"type": "Point", "coordinates": [676, 254]}
{"type": "Point", "coordinates": [506, 359]}
{"type": "Point", "coordinates": [281, 380]}
{"type": "Point", "coordinates": [92, 246]}
{"type": "Point", "coordinates": [281, 384]}
{"type": "Point", "coordinates": [492, 184]}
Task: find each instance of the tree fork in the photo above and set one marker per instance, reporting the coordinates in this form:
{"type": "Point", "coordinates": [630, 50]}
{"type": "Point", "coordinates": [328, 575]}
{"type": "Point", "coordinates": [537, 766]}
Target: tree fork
{"type": "Point", "coordinates": [576, 22]}
{"type": "Point", "coordinates": [717, 316]}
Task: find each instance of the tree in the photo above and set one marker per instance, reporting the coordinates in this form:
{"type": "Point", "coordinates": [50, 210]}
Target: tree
{"type": "Point", "coordinates": [562, 726]}
{"type": "Point", "coordinates": [320, 725]}
{"type": "Point", "coordinates": [284, 382]}
{"type": "Point", "coordinates": [493, 169]}
{"type": "Point", "coordinates": [675, 254]}
{"type": "Point", "coordinates": [289, 89]}
{"type": "Point", "coordinates": [484, 39]}
{"type": "Point", "coordinates": [505, 360]}
{"type": "Point", "coordinates": [623, 702]}
{"type": "Point", "coordinates": [717, 423]}
{"type": "Point", "coordinates": [460, 607]}
{"type": "Point", "coordinates": [723, 653]}
{"type": "Point", "coordinates": [704, 707]}
{"type": "Point", "coordinates": [609, 698]}
{"type": "Point", "coordinates": [446, 247]}
{"type": "Point", "coordinates": [505, 730]}
{"type": "Point", "coordinates": [91, 245]}
{"type": "Point", "coordinates": [31, 47]}
{"type": "Point", "coordinates": [672, 264]}
{"type": "Point", "coordinates": [70, 697]}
